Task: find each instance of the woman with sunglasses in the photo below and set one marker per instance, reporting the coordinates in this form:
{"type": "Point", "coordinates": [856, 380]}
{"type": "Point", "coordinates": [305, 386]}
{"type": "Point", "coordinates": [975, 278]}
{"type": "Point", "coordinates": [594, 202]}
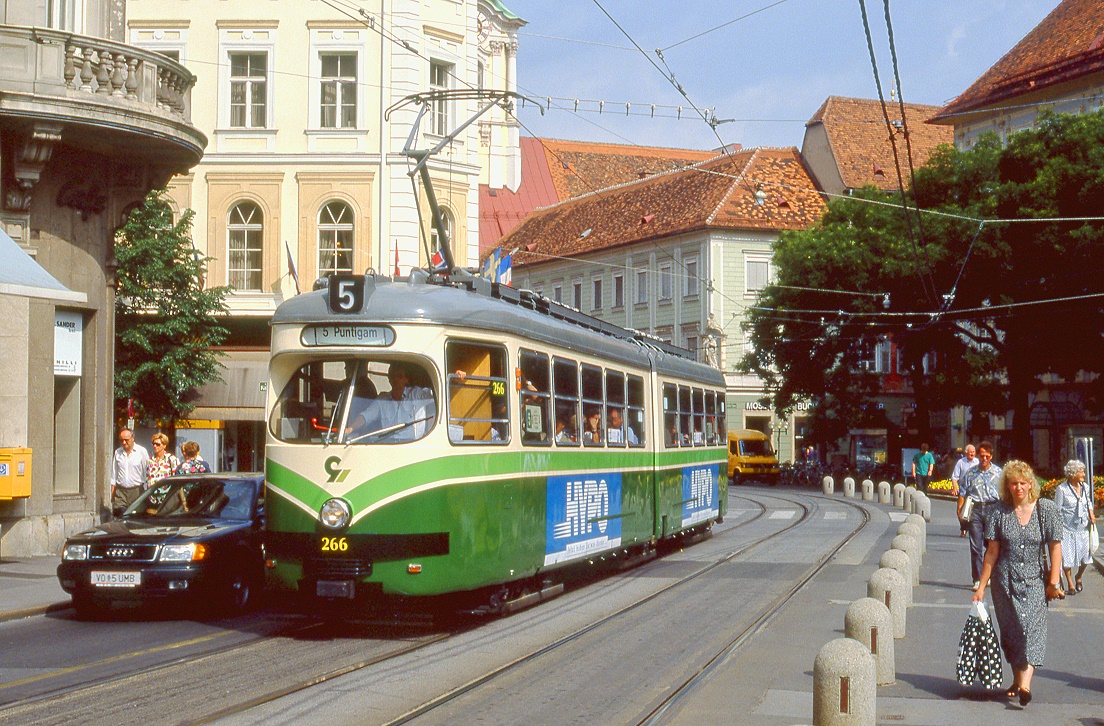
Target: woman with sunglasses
{"type": "Point", "coordinates": [161, 462]}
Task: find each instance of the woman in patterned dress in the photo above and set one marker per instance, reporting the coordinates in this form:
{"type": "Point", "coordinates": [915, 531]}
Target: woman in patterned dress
{"type": "Point", "coordinates": [1074, 499]}
{"type": "Point", "coordinates": [1016, 533]}
{"type": "Point", "coordinates": [162, 463]}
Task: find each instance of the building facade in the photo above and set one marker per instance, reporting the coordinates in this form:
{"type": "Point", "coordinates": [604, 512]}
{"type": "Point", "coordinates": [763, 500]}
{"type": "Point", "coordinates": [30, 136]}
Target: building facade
{"type": "Point", "coordinates": [679, 255]}
{"type": "Point", "coordinates": [88, 125]}
{"type": "Point", "coordinates": [305, 174]}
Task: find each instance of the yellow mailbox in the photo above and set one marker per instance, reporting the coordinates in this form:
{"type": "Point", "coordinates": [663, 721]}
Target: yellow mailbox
{"type": "Point", "coordinates": [15, 473]}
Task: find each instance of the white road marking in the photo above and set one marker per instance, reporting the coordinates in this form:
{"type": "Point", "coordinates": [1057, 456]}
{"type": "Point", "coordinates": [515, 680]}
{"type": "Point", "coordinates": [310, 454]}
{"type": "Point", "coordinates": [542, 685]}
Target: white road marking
{"type": "Point", "coordinates": [835, 515]}
{"type": "Point", "coordinates": [784, 514]}
{"type": "Point", "coordinates": [898, 516]}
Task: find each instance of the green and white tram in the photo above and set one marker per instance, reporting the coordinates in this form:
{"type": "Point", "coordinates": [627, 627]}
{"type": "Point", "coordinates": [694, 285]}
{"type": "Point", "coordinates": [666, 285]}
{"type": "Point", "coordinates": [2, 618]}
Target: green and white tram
{"type": "Point", "coordinates": [467, 439]}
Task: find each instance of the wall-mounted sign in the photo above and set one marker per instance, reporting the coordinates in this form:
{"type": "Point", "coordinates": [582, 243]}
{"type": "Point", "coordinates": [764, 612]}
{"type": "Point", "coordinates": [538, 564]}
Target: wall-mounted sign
{"type": "Point", "coordinates": [68, 343]}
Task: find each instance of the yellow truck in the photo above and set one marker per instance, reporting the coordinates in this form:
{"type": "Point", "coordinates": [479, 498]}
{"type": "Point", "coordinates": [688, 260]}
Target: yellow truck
{"type": "Point", "coordinates": [751, 457]}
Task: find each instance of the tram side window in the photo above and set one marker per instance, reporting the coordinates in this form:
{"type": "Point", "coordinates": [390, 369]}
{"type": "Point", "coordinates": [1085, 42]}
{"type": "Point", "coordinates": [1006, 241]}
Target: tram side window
{"type": "Point", "coordinates": [634, 418]}
{"type": "Point", "coordinates": [615, 408]}
{"type": "Point", "coordinates": [712, 437]}
{"type": "Point", "coordinates": [698, 435]}
{"type": "Point", "coordinates": [534, 392]}
{"type": "Point", "coordinates": [355, 401]}
{"type": "Point", "coordinates": [686, 425]}
{"type": "Point", "coordinates": [672, 435]}
{"type": "Point", "coordinates": [722, 427]}
{"type": "Point", "coordinates": [594, 409]}
{"type": "Point", "coordinates": [477, 405]}
{"type": "Point", "coordinates": [565, 379]}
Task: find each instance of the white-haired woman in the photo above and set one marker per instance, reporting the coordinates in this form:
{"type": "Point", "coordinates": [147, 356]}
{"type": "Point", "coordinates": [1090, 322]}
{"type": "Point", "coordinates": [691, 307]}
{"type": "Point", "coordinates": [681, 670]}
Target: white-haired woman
{"type": "Point", "coordinates": [1074, 498]}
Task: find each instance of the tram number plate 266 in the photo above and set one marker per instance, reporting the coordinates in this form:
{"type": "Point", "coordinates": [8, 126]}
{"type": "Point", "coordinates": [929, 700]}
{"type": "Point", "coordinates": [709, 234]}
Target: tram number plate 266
{"type": "Point", "coordinates": [333, 544]}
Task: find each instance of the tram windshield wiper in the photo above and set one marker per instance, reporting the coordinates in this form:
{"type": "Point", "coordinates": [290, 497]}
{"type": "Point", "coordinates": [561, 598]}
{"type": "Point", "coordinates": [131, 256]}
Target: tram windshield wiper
{"type": "Point", "coordinates": [388, 430]}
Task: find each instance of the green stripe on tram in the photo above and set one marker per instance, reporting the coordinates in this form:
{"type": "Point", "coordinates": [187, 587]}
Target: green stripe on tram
{"type": "Point", "coordinates": [481, 466]}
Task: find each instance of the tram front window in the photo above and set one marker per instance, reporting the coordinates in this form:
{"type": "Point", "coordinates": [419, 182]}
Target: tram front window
{"type": "Point", "coordinates": [355, 401]}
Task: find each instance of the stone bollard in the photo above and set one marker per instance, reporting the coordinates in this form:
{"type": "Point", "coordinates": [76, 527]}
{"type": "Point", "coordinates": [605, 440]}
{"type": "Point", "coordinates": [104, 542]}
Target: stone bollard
{"type": "Point", "coordinates": [849, 487]}
{"type": "Point", "coordinates": [829, 485]}
{"type": "Point", "coordinates": [899, 561]}
{"type": "Point", "coordinates": [870, 622]}
{"type": "Point", "coordinates": [910, 547]}
{"type": "Point", "coordinates": [867, 490]}
{"type": "Point", "coordinates": [923, 527]}
{"type": "Point", "coordinates": [910, 494]}
{"type": "Point", "coordinates": [887, 586]}
{"type": "Point", "coordinates": [898, 494]}
{"type": "Point", "coordinates": [925, 508]}
{"type": "Point", "coordinates": [911, 530]}
{"type": "Point", "coordinates": [844, 687]}
{"type": "Point", "coordinates": [885, 493]}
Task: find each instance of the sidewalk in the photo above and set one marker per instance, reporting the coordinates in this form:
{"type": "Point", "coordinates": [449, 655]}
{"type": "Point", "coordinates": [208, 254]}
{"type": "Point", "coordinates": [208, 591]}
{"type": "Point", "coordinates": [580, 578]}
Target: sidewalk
{"type": "Point", "coordinates": [29, 586]}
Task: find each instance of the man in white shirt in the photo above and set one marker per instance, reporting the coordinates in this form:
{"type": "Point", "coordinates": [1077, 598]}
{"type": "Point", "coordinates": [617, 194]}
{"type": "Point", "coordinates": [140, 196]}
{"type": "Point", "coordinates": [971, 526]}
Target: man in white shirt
{"type": "Point", "coordinates": [129, 469]}
{"type": "Point", "coordinates": [617, 432]}
{"type": "Point", "coordinates": [957, 478]}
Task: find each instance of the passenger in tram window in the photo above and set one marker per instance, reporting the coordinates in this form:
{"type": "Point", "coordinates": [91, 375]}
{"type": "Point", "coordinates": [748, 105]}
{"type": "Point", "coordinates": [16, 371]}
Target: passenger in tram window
{"type": "Point", "coordinates": [699, 439]}
{"type": "Point", "coordinates": [563, 433]}
{"type": "Point", "coordinates": [618, 432]}
{"type": "Point", "coordinates": [592, 427]}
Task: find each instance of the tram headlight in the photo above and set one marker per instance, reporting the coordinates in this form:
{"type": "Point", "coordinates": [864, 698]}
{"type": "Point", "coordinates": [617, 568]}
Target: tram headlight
{"type": "Point", "coordinates": [335, 514]}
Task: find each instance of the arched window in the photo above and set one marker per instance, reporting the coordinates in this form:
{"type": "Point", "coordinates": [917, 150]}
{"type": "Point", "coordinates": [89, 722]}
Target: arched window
{"type": "Point", "coordinates": [434, 241]}
{"type": "Point", "coordinates": [335, 239]}
{"type": "Point", "coordinates": [245, 232]}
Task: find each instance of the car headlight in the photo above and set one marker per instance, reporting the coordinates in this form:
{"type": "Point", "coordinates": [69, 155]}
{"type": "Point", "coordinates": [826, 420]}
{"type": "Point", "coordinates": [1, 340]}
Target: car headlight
{"type": "Point", "coordinates": [335, 514]}
{"type": "Point", "coordinates": [75, 552]}
{"type": "Point", "coordinates": [183, 553]}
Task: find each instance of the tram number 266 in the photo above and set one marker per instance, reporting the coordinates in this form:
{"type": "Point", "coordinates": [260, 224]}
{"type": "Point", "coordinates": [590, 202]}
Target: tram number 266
{"type": "Point", "coordinates": [335, 544]}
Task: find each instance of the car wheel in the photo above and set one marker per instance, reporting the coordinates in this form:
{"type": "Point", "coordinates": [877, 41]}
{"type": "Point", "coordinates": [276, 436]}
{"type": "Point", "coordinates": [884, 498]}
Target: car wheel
{"type": "Point", "coordinates": [237, 594]}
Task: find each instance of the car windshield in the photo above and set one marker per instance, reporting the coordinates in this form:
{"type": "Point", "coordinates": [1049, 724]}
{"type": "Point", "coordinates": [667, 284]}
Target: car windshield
{"type": "Point", "coordinates": [755, 447]}
{"type": "Point", "coordinates": [356, 401]}
{"type": "Point", "coordinates": [207, 498]}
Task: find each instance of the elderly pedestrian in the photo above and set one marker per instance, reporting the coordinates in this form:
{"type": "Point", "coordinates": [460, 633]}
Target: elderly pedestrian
{"type": "Point", "coordinates": [1074, 499]}
{"type": "Point", "coordinates": [128, 472]}
{"type": "Point", "coordinates": [963, 465]}
{"type": "Point", "coordinates": [162, 463]}
{"type": "Point", "coordinates": [1020, 532]}
{"type": "Point", "coordinates": [982, 488]}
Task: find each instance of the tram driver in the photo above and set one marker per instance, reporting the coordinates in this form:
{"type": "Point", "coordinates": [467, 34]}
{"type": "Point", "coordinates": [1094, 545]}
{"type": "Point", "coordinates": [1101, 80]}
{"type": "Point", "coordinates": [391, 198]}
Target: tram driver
{"type": "Point", "coordinates": [402, 414]}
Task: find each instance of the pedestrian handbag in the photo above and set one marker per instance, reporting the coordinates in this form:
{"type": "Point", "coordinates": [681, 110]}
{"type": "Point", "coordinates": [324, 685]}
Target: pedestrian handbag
{"type": "Point", "coordinates": [967, 510]}
{"type": "Point", "coordinates": [979, 655]}
{"type": "Point", "coordinates": [1094, 538]}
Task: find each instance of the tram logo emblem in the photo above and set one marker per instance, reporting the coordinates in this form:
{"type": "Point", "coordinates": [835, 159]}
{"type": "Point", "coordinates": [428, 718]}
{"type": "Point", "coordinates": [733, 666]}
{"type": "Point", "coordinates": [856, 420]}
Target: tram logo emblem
{"type": "Point", "coordinates": [336, 475]}
{"type": "Point", "coordinates": [583, 515]}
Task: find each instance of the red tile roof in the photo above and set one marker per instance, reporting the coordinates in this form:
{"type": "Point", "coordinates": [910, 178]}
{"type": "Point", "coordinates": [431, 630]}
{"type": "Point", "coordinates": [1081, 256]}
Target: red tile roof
{"type": "Point", "coordinates": [1068, 44]}
{"type": "Point", "coordinates": [860, 143]}
{"type": "Point", "coordinates": [718, 193]}
{"type": "Point", "coordinates": [553, 170]}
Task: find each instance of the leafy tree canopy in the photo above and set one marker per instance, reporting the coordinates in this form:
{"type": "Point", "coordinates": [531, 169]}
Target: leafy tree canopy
{"type": "Point", "coordinates": [974, 284]}
{"type": "Point", "coordinates": [166, 322]}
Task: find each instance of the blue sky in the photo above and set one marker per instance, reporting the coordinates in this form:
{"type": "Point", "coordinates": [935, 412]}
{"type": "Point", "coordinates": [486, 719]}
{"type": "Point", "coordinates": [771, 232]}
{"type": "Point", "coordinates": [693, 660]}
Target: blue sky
{"type": "Point", "coordinates": [770, 71]}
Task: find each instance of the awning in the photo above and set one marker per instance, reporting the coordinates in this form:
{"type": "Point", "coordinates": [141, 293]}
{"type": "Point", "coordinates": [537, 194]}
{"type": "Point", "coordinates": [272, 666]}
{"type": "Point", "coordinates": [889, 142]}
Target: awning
{"type": "Point", "coordinates": [21, 275]}
{"type": "Point", "coordinates": [242, 393]}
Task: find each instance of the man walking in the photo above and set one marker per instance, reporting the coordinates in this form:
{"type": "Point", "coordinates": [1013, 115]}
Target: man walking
{"type": "Point", "coordinates": [923, 464]}
{"type": "Point", "coordinates": [980, 486]}
{"type": "Point", "coordinates": [128, 472]}
{"type": "Point", "coordinates": [963, 465]}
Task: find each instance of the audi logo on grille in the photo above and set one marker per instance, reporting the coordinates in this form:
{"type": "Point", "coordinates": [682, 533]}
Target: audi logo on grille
{"type": "Point", "coordinates": [120, 552]}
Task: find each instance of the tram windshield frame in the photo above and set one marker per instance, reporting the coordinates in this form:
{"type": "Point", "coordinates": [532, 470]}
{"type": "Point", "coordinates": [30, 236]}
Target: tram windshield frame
{"type": "Point", "coordinates": [349, 400]}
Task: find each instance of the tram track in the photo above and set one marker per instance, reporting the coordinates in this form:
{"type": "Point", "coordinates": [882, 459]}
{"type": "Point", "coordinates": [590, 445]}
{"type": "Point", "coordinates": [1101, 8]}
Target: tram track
{"type": "Point", "coordinates": [611, 618]}
{"type": "Point", "coordinates": [691, 684]}
{"type": "Point", "coordinates": [49, 707]}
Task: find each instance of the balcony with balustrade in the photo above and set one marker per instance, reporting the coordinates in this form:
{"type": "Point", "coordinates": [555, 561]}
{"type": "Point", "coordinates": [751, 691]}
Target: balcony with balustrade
{"type": "Point", "coordinates": [100, 95]}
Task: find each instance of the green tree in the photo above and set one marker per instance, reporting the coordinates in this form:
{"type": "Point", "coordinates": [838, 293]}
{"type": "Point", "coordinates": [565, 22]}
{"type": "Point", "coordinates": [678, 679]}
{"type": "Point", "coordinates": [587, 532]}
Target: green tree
{"type": "Point", "coordinates": [943, 272]}
{"type": "Point", "coordinates": [166, 321]}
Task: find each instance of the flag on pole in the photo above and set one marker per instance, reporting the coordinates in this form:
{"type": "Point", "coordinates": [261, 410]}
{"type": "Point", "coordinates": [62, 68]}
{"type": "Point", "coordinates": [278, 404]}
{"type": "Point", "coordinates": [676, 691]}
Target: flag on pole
{"type": "Point", "coordinates": [490, 266]}
{"type": "Point", "coordinates": [291, 267]}
{"type": "Point", "coordinates": [504, 274]}
{"type": "Point", "coordinates": [397, 273]}
{"type": "Point", "coordinates": [437, 264]}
